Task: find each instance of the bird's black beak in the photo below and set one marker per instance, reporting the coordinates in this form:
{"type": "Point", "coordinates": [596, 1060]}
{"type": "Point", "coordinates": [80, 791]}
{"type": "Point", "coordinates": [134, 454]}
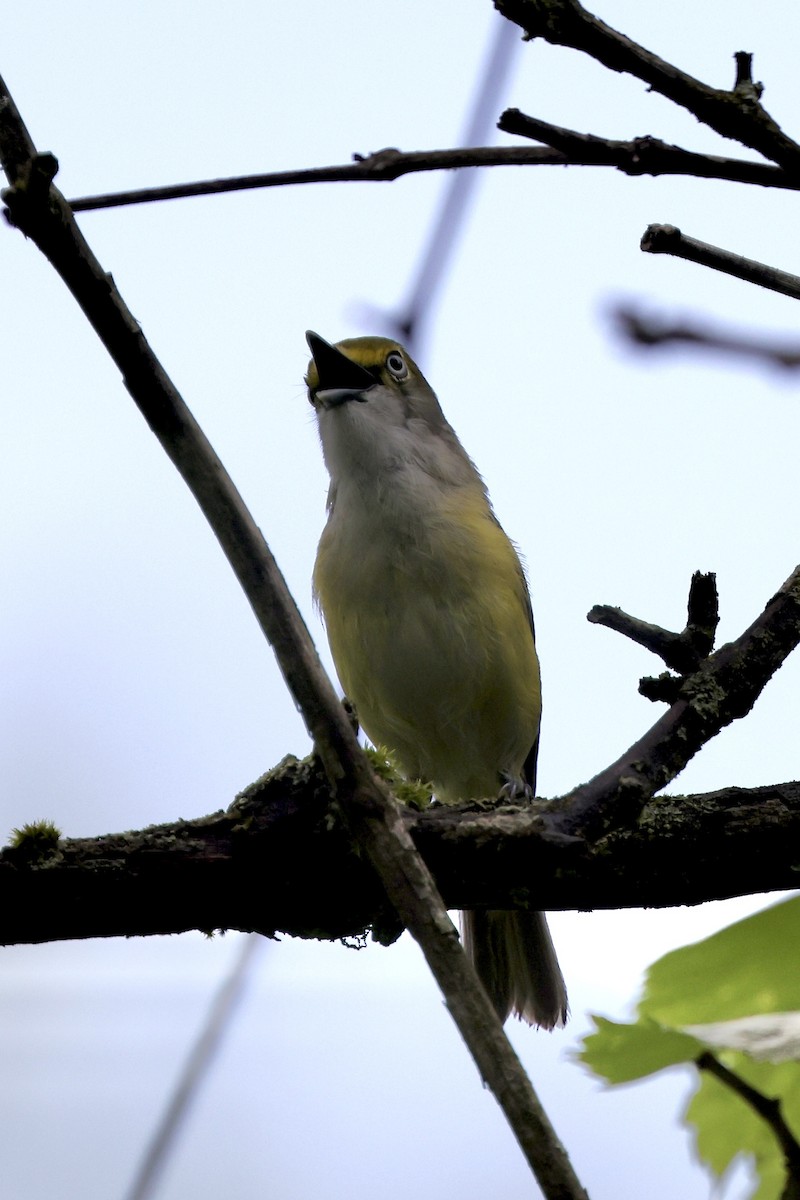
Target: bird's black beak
{"type": "Point", "coordinates": [340, 378]}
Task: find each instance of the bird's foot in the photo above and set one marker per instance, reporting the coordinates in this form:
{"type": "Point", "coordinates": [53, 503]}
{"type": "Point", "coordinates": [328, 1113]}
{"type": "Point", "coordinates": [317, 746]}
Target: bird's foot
{"type": "Point", "coordinates": [514, 789]}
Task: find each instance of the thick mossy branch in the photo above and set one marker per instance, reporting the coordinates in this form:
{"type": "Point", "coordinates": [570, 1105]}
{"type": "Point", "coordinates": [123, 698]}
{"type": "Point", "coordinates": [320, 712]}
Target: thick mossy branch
{"type": "Point", "coordinates": [262, 864]}
{"type": "Point", "coordinates": [280, 860]}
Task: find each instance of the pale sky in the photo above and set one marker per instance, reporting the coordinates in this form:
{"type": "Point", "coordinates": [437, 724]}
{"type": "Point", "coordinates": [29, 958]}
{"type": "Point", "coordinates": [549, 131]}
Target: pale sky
{"type": "Point", "coordinates": [136, 687]}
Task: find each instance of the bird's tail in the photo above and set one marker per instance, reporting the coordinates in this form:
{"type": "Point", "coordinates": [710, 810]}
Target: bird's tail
{"type": "Point", "coordinates": [514, 956]}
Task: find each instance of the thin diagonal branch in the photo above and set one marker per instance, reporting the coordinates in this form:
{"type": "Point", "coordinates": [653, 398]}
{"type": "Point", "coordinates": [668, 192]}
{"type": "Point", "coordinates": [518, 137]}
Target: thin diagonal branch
{"type": "Point", "coordinates": [37, 208]}
{"type": "Point", "coordinates": [737, 114]}
{"type": "Point", "coordinates": [408, 321]}
{"type": "Point", "coordinates": [196, 1067]}
{"type": "Point", "coordinates": [667, 239]}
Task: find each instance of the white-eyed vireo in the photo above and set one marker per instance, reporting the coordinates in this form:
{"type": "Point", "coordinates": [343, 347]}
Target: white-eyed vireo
{"type": "Point", "coordinates": [429, 621]}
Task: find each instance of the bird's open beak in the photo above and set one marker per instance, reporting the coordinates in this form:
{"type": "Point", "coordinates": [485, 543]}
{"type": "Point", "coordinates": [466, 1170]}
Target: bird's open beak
{"type": "Point", "coordinates": [340, 378]}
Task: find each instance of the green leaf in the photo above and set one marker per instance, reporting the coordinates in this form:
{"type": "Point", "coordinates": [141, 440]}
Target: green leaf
{"type": "Point", "coordinates": [619, 1052]}
{"type": "Point", "coordinates": [741, 970]}
{"type": "Point", "coordinates": [737, 994]}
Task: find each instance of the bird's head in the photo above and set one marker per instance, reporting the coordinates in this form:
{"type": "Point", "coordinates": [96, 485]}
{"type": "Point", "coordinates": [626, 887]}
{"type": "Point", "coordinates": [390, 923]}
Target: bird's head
{"type": "Point", "coordinates": [368, 370]}
{"type": "Point", "coordinates": [376, 411]}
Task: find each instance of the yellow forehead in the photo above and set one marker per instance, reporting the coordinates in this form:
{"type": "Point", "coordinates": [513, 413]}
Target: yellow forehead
{"type": "Point", "coordinates": [368, 351]}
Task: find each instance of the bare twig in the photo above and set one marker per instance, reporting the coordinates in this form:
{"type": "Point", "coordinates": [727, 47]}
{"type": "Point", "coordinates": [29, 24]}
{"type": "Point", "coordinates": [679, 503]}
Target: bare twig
{"type": "Point", "coordinates": [644, 155]}
{"type": "Point", "coordinates": [37, 208]}
{"type": "Point", "coordinates": [660, 641]}
{"type": "Point", "coordinates": [682, 652]}
{"type": "Point", "coordinates": [646, 330]}
{"type": "Point", "coordinates": [764, 1106]}
{"type": "Point", "coordinates": [737, 114]}
{"type": "Point", "coordinates": [666, 239]}
{"type": "Point", "coordinates": [381, 167]}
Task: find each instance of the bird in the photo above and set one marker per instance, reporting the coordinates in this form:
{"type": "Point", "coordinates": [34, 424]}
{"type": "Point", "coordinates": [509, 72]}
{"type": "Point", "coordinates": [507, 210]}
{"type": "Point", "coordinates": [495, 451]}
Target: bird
{"type": "Point", "coordinates": [429, 621]}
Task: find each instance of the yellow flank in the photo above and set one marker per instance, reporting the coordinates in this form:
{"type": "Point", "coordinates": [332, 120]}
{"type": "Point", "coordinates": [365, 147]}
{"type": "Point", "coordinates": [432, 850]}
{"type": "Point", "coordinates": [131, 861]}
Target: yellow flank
{"type": "Point", "coordinates": [432, 639]}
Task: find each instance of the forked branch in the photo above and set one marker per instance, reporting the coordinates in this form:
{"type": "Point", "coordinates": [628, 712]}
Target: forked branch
{"type": "Point", "coordinates": [723, 689]}
{"type": "Point", "coordinates": [736, 114]}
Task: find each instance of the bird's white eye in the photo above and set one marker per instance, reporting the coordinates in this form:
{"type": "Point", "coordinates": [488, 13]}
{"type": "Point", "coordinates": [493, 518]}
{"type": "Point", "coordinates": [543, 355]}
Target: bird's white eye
{"type": "Point", "coordinates": [396, 364]}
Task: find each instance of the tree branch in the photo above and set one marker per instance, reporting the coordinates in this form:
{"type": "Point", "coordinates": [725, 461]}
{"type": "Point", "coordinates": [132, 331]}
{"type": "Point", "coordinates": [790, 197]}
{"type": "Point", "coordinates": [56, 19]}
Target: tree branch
{"type": "Point", "coordinates": [643, 155]}
{"type": "Point", "coordinates": [381, 167]}
{"type": "Point", "coordinates": [280, 860]}
{"type": "Point", "coordinates": [765, 1107]}
{"type": "Point", "coordinates": [666, 239]}
{"type": "Point", "coordinates": [682, 652]}
{"type": "Point", "coordinates": [650, 331]}
{"type": "Point", "coordinates": [37, 208]}
{"type": "Point", "coordinates": [202, 1053]}
{"type": "Point", "coordinates": [737, 114]}
{"type": "Point", "coordinates": [723, 689]}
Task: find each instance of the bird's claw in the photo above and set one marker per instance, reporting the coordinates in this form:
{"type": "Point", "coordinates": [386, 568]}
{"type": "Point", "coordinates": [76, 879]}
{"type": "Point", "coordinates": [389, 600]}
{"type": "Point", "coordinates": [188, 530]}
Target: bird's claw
{"type": "Point", "coordinates": [515, 790]}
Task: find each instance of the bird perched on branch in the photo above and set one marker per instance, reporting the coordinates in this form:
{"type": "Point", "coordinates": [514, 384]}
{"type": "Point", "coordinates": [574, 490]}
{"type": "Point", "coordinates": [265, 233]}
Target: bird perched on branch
{"type": "Point", "coordinates": [429, 621]}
